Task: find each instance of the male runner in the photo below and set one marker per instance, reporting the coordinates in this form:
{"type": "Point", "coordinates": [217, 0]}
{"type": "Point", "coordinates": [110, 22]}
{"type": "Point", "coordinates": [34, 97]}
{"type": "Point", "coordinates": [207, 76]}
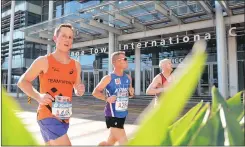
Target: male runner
{"type": "Point", "coordinates": [161, 80]}
{"type": "Point", "coordinates": [118, 86]}
{"type": "Point", "coordinates": [58, 75]}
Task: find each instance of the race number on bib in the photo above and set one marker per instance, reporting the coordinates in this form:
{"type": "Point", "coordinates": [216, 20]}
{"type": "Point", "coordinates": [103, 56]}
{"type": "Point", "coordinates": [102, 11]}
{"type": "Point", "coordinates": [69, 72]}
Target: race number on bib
{"type": "Point", "coordinates": [62, 107]}
{"type": "Point", "coordinates": [121, 104]}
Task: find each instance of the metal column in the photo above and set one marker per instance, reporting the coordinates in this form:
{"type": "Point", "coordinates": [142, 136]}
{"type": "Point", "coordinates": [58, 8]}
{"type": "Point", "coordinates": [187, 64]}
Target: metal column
{"type": "Point", "coordinates": [111, 42]}
{"type": "Point", "coordinates": [137, 71]}
{"type": "Point", "coordinates": [221, 51]}
{"type": "Point", "coordinates": [11, 34]}
{"type": "Point", "coordinates": [233, 67]}
{"type": "Point", "coordinates": [50, 17]}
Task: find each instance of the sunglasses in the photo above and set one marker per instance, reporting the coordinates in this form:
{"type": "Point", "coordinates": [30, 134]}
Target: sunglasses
{"type": "Point", "coordinates": [125, 59]}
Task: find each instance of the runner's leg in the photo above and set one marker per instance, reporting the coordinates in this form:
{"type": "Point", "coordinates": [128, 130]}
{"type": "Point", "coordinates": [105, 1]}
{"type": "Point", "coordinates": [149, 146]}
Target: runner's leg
{"type": "Point", "coordinates": [120, 135]}
{"type": "Point", "coordinates": [63, 140]}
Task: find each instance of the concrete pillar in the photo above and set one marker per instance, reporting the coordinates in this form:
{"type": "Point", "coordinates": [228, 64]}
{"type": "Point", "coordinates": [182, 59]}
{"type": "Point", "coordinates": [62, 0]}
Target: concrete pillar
{"type": "Point", "coordinates": [50, 17]}
{"type": "Point", "coordinates": [233, 67]}
{"type": "Point", "coordinates": [221, 51]}
{"type": "Point", "coordinates": [137, 71]}
{"type": "Point", "coordinates": [111, 43]}
{"type": "Point", "coordinates": [110, 51]}
{"type": "Point", "coordinates": [11, 37]}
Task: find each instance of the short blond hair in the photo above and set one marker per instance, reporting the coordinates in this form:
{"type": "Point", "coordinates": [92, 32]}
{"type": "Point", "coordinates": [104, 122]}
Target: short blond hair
{"type": "Point", "coordinates": [115, 55]}
{"type": "Point", "coordinates": [64, 25]}
{"type": "Point", "coordinates": [163, 62]}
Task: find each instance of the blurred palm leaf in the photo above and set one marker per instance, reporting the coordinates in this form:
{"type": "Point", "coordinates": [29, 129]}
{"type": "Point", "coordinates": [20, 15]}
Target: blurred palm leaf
{"type": "Point", "coordinates": [233, 132]}
{"type": "Point", "coordinates": [208, 133]}
{"type": "Point", "coordinates": [235, 105]}
{"type": "Point", "coordinates": [217, 99]}
{"type": "Point", "coordinates": [13, 131]}
{"type": "Point", "coordinates": [167, 141]}
{"type": "Point", "coordinates": [193, 127]}
{"type": "Point", "coordinates": [159, 119]}
{"type": "Point", "coordinates": [182, 125]}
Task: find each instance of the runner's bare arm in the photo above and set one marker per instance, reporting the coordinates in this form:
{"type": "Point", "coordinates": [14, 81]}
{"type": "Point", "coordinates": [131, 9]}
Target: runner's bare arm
{"type": "Point", "coordinates": [25, 82]}
{"type": "Point", "coordinates": [78, 86]}
{"type": "Point", "coordinates": [130, 78]}
{"type": "Point", "coordinates": [98, 91]}
{"type": "Point", "coordinates": [131, 89]}
{"type": "Point", "coordinates": [152, 89]}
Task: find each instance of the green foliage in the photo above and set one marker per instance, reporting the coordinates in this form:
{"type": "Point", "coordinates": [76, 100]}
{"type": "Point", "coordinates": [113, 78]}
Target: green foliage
{"type": "Point", "coordinates": [213, 125]}
{"type": "Point", "coordinates": [14, 132]}
{"type": "Point", "coordinates": [171, 103]}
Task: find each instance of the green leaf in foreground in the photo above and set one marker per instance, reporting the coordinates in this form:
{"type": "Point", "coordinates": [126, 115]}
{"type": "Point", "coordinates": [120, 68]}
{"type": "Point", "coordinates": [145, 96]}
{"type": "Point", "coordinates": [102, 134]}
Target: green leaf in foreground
{"type": "Point", "coordinates": [13, 131]}
{"type": "Point", "coordinates": [167, 141]}
{"type": "Point", "coordinates": [159, 119]}
{"type": "Point", "coordinates": [180, 127]}
{"type": "Point", "coordinates": [208, 133]}
{"type": "Point", "coordinates": [217, 99]}
{"type": "Point", "coordinates": [193, 127]}
{"type": "Point", "coordinates": [235, 105]}
{"type": "Point", "coordinates": [233, 132]}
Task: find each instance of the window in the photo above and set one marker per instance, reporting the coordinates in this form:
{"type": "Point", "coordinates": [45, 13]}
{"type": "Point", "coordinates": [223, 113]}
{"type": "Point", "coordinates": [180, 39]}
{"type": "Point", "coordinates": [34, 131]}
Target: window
{"type": "Point", "coordinates": [44, 17]}
{"type": "Point", "coordinates": [45, 9]}
{"type": "Point", "coordinates": [45, 2]}
{"type": "Point", "coordinates": [35, 2]}
{"type": "Point", "coordinates": [33, 18]}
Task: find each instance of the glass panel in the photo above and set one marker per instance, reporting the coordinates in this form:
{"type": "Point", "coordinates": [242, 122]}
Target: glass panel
{"type": "Point", "coordinates": [58, 11]}
{"type": "Point", "coordinates": [45, 9]}
{"type": "Point", "coordinates": [205, 75]}
{"type": "Point", "coordinates": [204, 82]}
{"type": "Point", "coordinates": [241, 75]}
{"type": "Point", "coordinates": [182, 10]}
{"type": "Point", "coordinates": [133, 77]}
{"type": "Point", "coordinates": [58, 3]}
{"type": "Point", "coordinates": [195, 8]}
{"type": "Point", "coordinates": [148, 78]}
{"type": "Point", "coordinates": [86, 16]}
{"type": "Point", "coordinates": [121, 4]}
{"type": "Point", "coordinates": [45, 2]}
{"type": "Point", "coordinates": [85, 82]}
{"type": "Point", "coordinates": [120, 23]}
{"type": "Point", "coordinates": [101, 75]}
{"type": "Point", "coordinates": [71, 7]}
{"type": "Point", "coordinates": [44, 17]}
{"type": "Point", "coordinates": [35, 2]}
{"type": "Point", "coordinates": [149, 7]}
{"type": "Point", "coordinates": [135, 11]}
{"type": "Point", "coordinates": [91, 82]}
{"type": "Point", "coordinates": [235, 2]}
{"type": "Point", "coordinates": [215, 75]}
{"type": "Point", "coordinates": [89, 4]}
{"type": "Point", "coordinates": [171, 3]}
{"type": "Point", "coordinates": [146, 18]}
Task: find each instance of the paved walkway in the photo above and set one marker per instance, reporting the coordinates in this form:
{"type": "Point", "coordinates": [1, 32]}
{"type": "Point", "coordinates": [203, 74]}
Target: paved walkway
{"type": "Point", "coordinates": [87, 126]}
{"type": "Point", "coordinates": [82, 131]}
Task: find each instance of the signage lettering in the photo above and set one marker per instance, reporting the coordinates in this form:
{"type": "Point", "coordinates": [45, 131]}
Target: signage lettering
{"type": "Point", "coordinates": [162, 42]}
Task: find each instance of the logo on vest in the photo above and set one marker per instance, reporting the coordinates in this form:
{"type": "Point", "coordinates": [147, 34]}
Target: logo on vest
{"type": "Point", "coordinates": [55, 69]}
{"type": "Point", "coordinates": [117, 81]}
{"type": "Point", "coordinates": [71, 72]}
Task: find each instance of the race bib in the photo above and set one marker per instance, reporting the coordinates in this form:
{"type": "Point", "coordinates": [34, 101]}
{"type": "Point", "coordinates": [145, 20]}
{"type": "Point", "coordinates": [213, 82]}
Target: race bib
{"type": "Point", "coordinates": [62, 107]}
{"type": "Point", "coordinates": [121, 104]}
